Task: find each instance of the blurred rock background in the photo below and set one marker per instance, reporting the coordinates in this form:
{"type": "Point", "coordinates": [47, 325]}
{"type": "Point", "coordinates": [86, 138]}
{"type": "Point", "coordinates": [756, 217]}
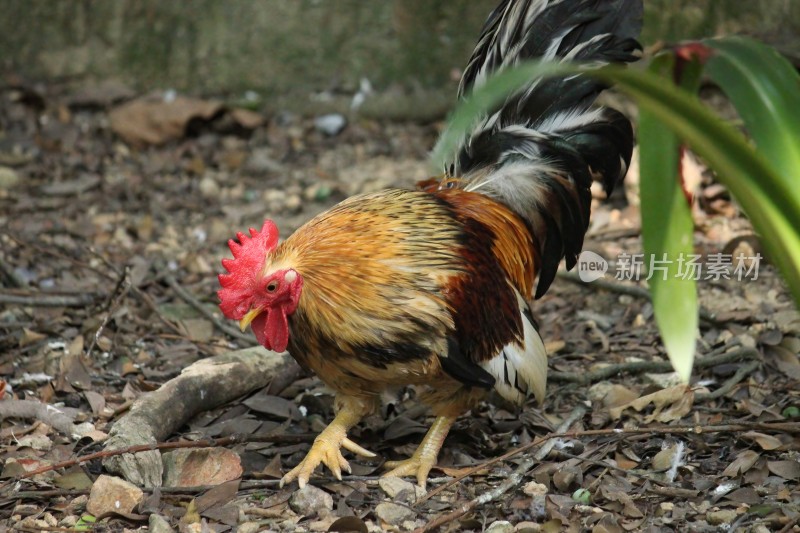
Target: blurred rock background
{"type": "Point", "coordinates": [409, 52]}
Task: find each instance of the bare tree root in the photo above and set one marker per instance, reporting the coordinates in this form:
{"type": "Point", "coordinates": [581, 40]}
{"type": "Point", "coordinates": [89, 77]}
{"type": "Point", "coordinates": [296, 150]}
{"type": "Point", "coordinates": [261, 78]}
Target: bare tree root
{"type": "Point", "coordinates": [204, 385]}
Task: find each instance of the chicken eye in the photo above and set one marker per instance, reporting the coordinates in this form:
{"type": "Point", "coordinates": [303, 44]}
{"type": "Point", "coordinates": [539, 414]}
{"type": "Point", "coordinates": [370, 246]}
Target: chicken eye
{"type": "Point", "coordinates": [272, 286]}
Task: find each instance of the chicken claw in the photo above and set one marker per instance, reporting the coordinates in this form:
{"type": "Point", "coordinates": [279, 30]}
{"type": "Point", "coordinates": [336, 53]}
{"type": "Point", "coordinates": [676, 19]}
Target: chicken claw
{"type": "Point", "coordinates": [424, 458]}
{"type": "Point", "coordinates": [327, 452]}
{"type": "Point", "coordinates": [419, 465]}
{"type": "Point", "coordinates": [328, 445]}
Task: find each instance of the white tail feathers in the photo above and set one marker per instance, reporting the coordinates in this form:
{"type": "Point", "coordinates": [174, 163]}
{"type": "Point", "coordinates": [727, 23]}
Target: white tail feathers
{"type": "Point", "coordinates": [520, 368]}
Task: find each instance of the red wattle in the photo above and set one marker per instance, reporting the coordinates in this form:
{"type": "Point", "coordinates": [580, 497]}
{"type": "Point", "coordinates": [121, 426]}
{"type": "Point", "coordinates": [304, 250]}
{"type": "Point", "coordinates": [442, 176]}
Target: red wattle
{"type": "Point", "coordinates": [259, 327]}
{"type": "Point", "coordinates": [277, 329]}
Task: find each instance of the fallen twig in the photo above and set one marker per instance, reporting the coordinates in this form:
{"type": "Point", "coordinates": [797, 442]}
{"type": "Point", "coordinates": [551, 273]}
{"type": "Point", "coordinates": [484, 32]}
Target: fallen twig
{"type": "Point", "coordinates": [189, 298]}
{"type": "Point", "coordinates": [251, 484]}
{"type": "Point", "coordinates": [113, 302]}
{"type": "Point", "coordinates": [139, 293]}
{"type": "Point", "coordinates": [205, 443]}
{"type": "Point", "coordinates": [639, 367]}
{"type": "Point", "coordinates": [786, 427]}
{"type": "Point", "coordinates": [729, 384]}
{"type": "Point", "coordinates": [630, 290]}
{"type": "Point", "coordinates": [43, 299]}
{"type": "Point", "coordinates": [511, 482]}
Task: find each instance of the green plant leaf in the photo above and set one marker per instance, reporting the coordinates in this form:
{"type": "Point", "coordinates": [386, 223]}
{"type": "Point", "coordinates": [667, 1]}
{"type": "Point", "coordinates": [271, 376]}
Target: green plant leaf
{"type": "Point", "coordinates": [763, 193]}
{"type": "Point", "coordinates": [765, 89]}
{"type": "Point", "coordinates": [667, 230]}
{"type": "Point", "coordinates": [85, 523]}
{"type": "Point", "coordinates": [763, 179]}
{"type": "Point", "coordinates": [757, 185]}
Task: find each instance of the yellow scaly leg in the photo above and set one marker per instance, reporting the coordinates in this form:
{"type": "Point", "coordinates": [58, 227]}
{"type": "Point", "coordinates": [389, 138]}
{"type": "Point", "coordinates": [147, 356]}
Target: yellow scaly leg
{"type": "Point", "coordinates": [424, 458]}
{"type": "Point", "coordinates": [327, 446]}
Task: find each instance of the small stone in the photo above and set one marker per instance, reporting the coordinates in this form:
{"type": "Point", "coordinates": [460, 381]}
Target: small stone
{"type": "Point", "coordinates": [159, 524]}
{"type": "Point", "coordinates": [260, 162]}
{"type": "Point", "coordinates": [724, 516]}
{"type": "Point", "coordinates": [527, 527]}
{"type": "Point", "coordinates": [37, 442]}
{"type": "Point", "coordinates": [534, 489]}
{"type": "Point", "coordinates": [200, 466]}
{"type": "Point", "coordinates": [310, 500]}
{"type": "Point", "coordinates": [248, 527]}
{"type": "Point", "coordinates": [8, 177]}
{"type": "Point", "coordinates": [665, 508]}
{"type": "Point", "coordinates": [394, 514]}
{"type": "Point", "coordinates": [400, 489]}
{"type": "Point", "coordinates": [665, 381]}
{"type": "Point", "coordinates": [293, 203]}
{"type": "Point", "coordinates": [113, 494]}
{"type": "Point", "coordinates": [331, 124]}
{"type": "Point", "coordinates": [318, 192]}
{"type": "Point", "coordinates": [69, 521]}
{"type": "Point", "coordinates": [501, 526]}
{"type": "Point", "coordinates": [209, 188]}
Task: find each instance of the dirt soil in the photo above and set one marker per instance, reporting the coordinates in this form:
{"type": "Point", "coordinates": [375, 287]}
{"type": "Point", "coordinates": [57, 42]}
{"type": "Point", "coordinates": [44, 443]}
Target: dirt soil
{"type": "Point", "coordinates": [108, 210]}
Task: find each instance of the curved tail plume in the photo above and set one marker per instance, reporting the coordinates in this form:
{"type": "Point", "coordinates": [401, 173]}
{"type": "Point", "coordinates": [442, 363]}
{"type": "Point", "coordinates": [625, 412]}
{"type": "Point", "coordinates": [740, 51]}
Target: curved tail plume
{"type": "Point", "coordinates": [539, 151]}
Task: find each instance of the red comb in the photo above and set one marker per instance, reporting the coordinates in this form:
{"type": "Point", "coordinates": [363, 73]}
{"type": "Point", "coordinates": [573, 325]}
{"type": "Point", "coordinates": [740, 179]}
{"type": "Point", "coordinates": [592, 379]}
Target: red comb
{"type": "Point", "coordinates": [249, 255]}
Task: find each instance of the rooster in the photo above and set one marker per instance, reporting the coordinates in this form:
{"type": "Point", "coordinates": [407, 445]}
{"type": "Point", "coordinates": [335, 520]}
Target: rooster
{"type": "Point", "coordinates": [433, 287]}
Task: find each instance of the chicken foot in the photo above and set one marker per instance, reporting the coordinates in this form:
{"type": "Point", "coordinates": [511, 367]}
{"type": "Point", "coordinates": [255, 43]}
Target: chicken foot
{"type": "Point", "coordinates": [328, 444]}
{"type": "Point", "coordinates": [424, 458]}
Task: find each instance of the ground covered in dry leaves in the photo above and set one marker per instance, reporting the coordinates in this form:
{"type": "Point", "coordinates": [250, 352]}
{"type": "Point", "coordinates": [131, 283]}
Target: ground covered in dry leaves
{"type": "Point", "coordinates": [114, 213]}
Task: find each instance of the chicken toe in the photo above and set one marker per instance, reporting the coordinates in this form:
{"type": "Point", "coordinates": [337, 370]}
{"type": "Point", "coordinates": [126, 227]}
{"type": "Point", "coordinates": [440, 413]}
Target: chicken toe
{"type": "Point", "coordinates": [323, 451]}
{"type": "Point", "coordinates": [424, 458]}
{"type": "Point", "coordinates": [327, 447]}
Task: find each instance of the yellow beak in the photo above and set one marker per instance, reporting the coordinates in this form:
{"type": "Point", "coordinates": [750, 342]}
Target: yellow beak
{"type": "Point", "coordinates": [249, 317]}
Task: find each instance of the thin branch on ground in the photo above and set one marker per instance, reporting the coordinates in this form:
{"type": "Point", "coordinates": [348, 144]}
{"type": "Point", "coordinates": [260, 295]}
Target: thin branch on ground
{"type": "Point", "coordinates": [739, 427]}
{"type": "Point", "coordinates": [190, 299]}
{"type": "Point", "coordinates": [630, 290]}
{"type": "Point", "coordinates": [729, 384]}
{"type": "Point", "coordinates": [247, 484]}
{"type": "Point", "coordinates": [514, 480]}
{"type": "Point", "coordinates": [43, 299]}
{"type": "Point", "coordinates": [205, 443]}
{"type": "Point", "coordinates": [139, 293]}
{"type": "Point", "coordinates": [111, 305]}
{"type": "Point", "coordinates": [639, 367]}
{"type": "Point", "coordinates": [9, 275]}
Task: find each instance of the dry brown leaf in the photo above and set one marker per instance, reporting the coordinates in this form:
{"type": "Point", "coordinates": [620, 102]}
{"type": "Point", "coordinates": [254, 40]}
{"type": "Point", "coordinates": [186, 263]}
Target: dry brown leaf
{"type": "Point", "coordinates": [743, 462]}
{"type": "Point", "coordinates": [154, 120]}
{"type": "Point", "coordinates": [273, 406]}
{"type": "Point", "coordinates": [96, 401]}
{"type": "Point", "coordinates": [786, 469]}
{"type": "Point", "coordinates": [611, 394]}
{"type": "Point", "coordinates": [767, 442]}
{"type": "Point", "coordinates": [662, 461]}
{"type": "Point", "coordinates": [247, 119]}
{"type": "Point", "coordinates": [29, 337]}
{"type": "Point", "coordinates": [670, 404]}
{"type": "Point", "coordinates": [218, 496]}
{"type": "Point", "coordinates": [273, 468]}
{"type": "Point", "coordinates": [554, 347]}
{"type": "Point", "coordinates": [624, 462]}
{"type": "Point", "coordinates": [74, 479]}
{"type": "Point", "coordinates": [787, 361]}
